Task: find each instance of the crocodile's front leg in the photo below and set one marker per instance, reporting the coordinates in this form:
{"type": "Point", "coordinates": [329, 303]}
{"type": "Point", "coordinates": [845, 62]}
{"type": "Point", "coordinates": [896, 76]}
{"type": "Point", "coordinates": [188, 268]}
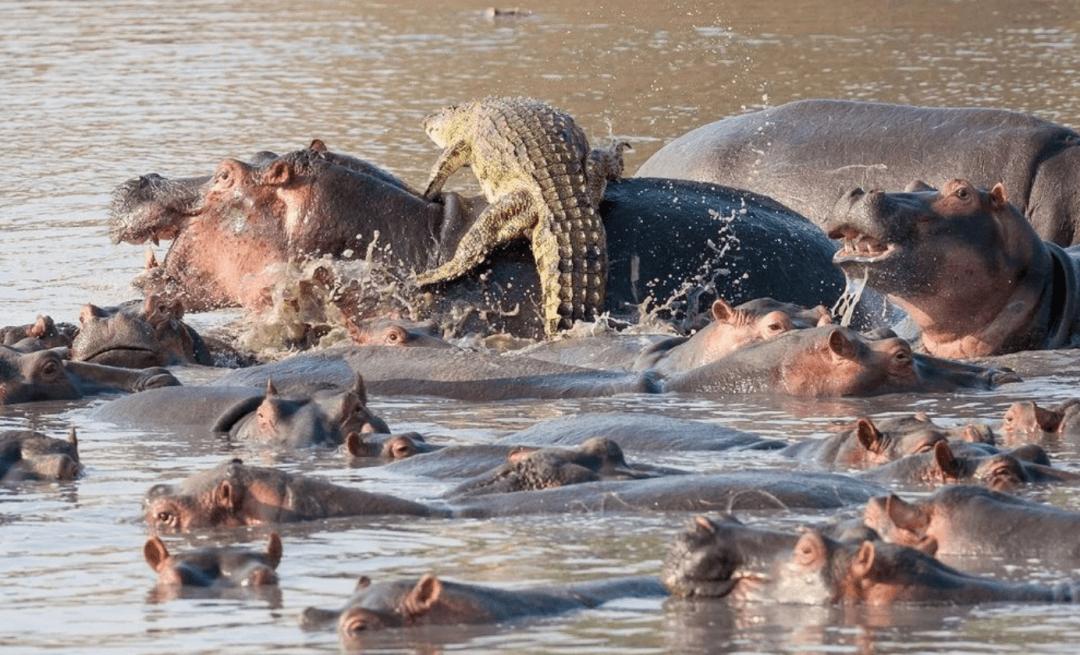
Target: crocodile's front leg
{"type": "Point", "coordinates": [453, 158]}
{"type": "Point", "coordinates": [511, 217]}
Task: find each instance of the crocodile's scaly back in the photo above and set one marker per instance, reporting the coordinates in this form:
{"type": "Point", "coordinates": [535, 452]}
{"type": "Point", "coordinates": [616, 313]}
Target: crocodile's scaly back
{"type": "Point", "coordinates": [532, 162]}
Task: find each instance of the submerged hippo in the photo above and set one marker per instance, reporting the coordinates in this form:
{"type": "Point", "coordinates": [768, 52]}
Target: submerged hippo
{"type": "Point", "coordinates": [234, 495]}
{"type": "Point", "coordinates": [818, 362]}
{"type": "Point", "coordinates": [872, 443]}
{"type": "Point", "coordinates": [138, 334]}
{"type": "Point", "coordinates": [947, 464]}
{"type": "Point", "coordinates": [42, 334]}
{"type": "Point", "coordinates": [28, 455]}
{"type": "Point", "coordinates": [46, 375]}
{"type": "Point", "coordinates": [215, 567]}
{"type": "Point", "coordinates": [431, 601]}
{"type": "Point", "coordinates": [396, 332]}
{"type": "Point", "coordinates": [964, 264]}
{"type": "Point", "coordinates": [967, 520]}
{"type": "Point", "coordinates": [371, 445]}
{"type": "Point", "coordinates": [661, 234]}
{"type": "Point", "coordinates": [741, 564]}
{"type": "Point", "coordinates": [1027, 422]}
{"type": "Point", "coordinates": [325, 418]}
{"type": "Point", "coordinates": [807, 153]}
{"type": "Point", "coordinates": [731, 328]}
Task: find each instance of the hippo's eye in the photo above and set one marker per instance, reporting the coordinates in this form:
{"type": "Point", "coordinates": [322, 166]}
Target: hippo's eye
{"type": "Point", "coordinates": [393, 337]}
{"type": "Point", "coordinates": [775, 327]}
{"type": "Point", "coordinates": [902, 357]}
{"type": "Point", "coordinates": [923, 448]}
{"type": "Point", "coordinates": [962, 193]}
{"type": "Point", "coordinates": [50, 368]}
{"type": "Point", "coordinates": [165, 517]}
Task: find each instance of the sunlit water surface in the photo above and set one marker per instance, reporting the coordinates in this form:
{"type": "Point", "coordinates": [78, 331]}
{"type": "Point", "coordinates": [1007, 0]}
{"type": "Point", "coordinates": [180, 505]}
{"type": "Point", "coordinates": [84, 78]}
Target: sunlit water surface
{"type": "Point", "coordinates": [98, 92]}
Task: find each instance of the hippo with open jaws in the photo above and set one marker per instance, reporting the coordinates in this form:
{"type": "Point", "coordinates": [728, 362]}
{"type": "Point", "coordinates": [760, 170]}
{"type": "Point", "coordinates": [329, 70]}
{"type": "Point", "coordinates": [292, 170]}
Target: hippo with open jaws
{"type": "Point", "coordinates": [661, 235]}
{"type": "Point", "coordinates": [138, 334]}
{"type": "Point", "coordinates": [325, 418]}
{"type": "Point", "coordinates": [970, 520]}
{"type": "Point", "coordinates": [1027, 422]}
{"type": "Point", "coordinates": [764, 489]}
{"type": "Point", "coordinates": [215, 567]}
{"type": "Point", "coordinates": [26, 455]}
{"type": "Point", "coordinates": [741, 564]}
{"type": "Point", "coordinates": [376, 606]}
{"type": "Point", "coordinates": [233, 494]}
{"type": "Point", "coordinates": [530, 469]}
{"type": "Point", "coordinates": [870, 443]}
{"type": "Point", "coordinates": [807, 153]}
{"type": "Point", "coordinates": [964, 264]}
{"type": "Point", "coordinates": [818, 362]}
{"type": "Point", "coordinates": [46, 375]}
{"type": "Point", "coordinates": [951, 464]}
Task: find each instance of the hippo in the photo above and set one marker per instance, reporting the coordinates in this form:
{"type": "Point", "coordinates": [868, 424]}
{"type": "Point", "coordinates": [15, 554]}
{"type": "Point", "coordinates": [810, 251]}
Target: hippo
{"type": "Point", "coordinates": [661, 236]}
{"type": "Point", "coordinates": [818, 362]}
{"type": "Point", "coordinates": [138, 334]}
{"type": "Point", "coordinates": [805, 154]}
{"type": "Point", "coordinates": [765, 489]}
{"type": "Point", "coordinates": [970, 520]}
{"type": "Point", "coordinates": [964, 264]}
{"type": "Point", "coordinates": [46, 375]}
{"type": "Point", "coordinates": [393, 447]}
{"type": "Point", "coordinates": [640, 432]}
{"type": "Point", "coordinates": [322, 418]}
{"type": "Point", "coordinates": [731, 328]}
{"type": "Point", "coordinates": [547, 468]}
{"type": "Point", "coordinates": [946, 464]}
{"type": "Point", "coordinates": [431, 601]}
{"type": "Point", "coordinates": [742, 564]}
{"type": "Point", "coordinates": [870, 443]}
{"type": "Point", "coordinates": [1027, 422]}
{"type": "Point", "coordinates": [29, 455]}
{"type": "Point", "coordinates": [396, 332]}
{"type": "Point", "coordinates": [233, 494]}
{"type": "Point", "coordinates": [42, 334]}
{"type": "Point", "coordinates": [215, 567]}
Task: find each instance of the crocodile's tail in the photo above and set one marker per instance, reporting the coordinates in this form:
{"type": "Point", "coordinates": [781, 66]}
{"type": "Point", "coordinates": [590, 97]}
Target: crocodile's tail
{"type": "Point", "coordinates": [572, 266]}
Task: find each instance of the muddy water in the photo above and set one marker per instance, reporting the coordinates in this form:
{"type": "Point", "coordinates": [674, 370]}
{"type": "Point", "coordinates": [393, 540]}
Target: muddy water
{"type": "Point", "coordinates": [97, 92]}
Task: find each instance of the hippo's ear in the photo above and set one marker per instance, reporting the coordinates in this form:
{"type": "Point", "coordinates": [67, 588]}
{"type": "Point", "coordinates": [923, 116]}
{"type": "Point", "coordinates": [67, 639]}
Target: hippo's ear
{"type": "Point", "coordinates": [268, 415]}
{"type": "Point", "coordinates": [273, 550]}
{"type": "Point", "coordinates": [1047, 420]}
{"type": "Point", "coordinates": [998, 197]}
{"type": "Point", "coordinates": [277, 173]}
{"type": "Point", "coordinates": [150, 259]}
{"type": "Point", "coordinates": [155, 552]}
{"type": "Point", "coordinates": [317, 145]}
{"type": "Point", "coordinates": [520, 454]}
{"type": "Point", "coordinates": [226, 495]}
{"type": "Point", "coordinates": [422, 597]}
{"type": "Point", "coordinates": [824, 317]}
{"type": "Point", "coordinates": [840, 345]}
{"type": "Point", "coordinates": [350, 407]}
{"type": "Point", "coordinates": [73, 438]}
{"type": "Point", "coordinates": [811, 551]}
{"type": "Point", "coordinates": [722, 311]}
{"type": "Point", "coordinates": [271, 390]}
{"type": "Point", "coordinates": [40, 327]}
{"type": "Point", "coordinates": [862, 565]}
{"type": "Point", "coordinates": [869, 436]}
{"type": "Point", "coordinates": [918, 185]}
{"type": "Point", "coordinates": [360, 390]}
{"type": "Point", "coordinates": [354, 445]}
{"type": "Point", "coordinates": [946, 461]}
{"type": "Point", "coordinates": [702, 523]}
{"type": "Point", "coordinates": [905, 515]}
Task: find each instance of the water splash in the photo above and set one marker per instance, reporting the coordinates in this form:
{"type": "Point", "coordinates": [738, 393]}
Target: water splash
{"type": "Point", "coordinates": [844, 309]}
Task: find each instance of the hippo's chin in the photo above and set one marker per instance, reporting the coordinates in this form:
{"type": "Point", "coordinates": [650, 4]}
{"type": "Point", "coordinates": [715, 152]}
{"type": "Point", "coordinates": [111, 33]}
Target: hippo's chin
{"type": "Point", "coordinates": [127, 357]}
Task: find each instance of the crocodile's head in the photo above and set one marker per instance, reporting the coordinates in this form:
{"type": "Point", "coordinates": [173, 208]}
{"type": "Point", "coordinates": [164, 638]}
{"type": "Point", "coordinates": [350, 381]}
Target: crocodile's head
{"type": "Point", "coordinates": [441, 124]}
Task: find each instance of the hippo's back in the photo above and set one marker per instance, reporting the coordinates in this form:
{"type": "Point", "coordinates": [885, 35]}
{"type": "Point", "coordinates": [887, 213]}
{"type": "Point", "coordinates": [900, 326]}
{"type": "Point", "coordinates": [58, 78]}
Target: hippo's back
{"type": "Point", "coordinates": [806, 153]}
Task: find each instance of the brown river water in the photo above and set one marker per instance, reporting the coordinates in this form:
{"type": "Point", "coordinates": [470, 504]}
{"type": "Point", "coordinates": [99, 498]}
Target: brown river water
{"type": "Point", "coordinates": [96, 92]}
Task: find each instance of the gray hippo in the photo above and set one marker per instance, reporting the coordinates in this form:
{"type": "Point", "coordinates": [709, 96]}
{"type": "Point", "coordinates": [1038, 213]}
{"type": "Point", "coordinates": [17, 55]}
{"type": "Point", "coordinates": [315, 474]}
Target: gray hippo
{"type": "Point", "coordinates": [45, 375]}
{"type": "Point", "coordinates": [964, 264]}
{"type": "Point", "coordinates": [665, 239]}
{"type": "Point", "coordinates": [805, 154]}
{"type": "Point", "coordinates": [138, 334]}
{"type": "Point", "coordinates": [32, 456]}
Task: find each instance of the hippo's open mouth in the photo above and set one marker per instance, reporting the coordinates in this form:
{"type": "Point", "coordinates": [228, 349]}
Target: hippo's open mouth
{"type": "Point", "coordinates": [861, 248]}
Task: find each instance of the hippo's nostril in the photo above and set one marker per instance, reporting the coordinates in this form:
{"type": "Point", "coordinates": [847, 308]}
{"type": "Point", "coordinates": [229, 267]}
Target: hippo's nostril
{"type": "Point", "coordinates": [856, 193]}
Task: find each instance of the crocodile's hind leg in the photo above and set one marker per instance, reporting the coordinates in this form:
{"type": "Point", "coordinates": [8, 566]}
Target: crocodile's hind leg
{"type": "Point", "coordinates": [449, 162]}
{"type": "Point", "coordinates": [508, 218]}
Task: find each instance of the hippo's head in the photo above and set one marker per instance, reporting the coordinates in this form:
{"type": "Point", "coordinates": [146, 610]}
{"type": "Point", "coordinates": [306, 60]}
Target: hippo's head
{"type": "Point", "coordinates": [41, 334]}
{"type": "Point", "coordinates": [396, 332]}
{"type": "Point", "coordinates": [386, 446]}
{"type": "Point", "coordinates": [757, 320]}
{"type": "Point", "coordinates": [1025, 421]}
{"type": "Point", "coordinates": [138, 334]}
{"type": "Point", "coordinates": [215, 567]}
{"type": "Point", "coordinates": [26, 455]}
{"type": "Point", "coordinates": [901, 522]}
{"type": "Point", "coordinates": [33, 376]}
{"type": "Point", "coordinates": [919, 243]}
{"type": "Point", "coordinates": [999, 471]}
{"type": "Point", "coordinates": [207, 499]}
{"type": "Point", "coordinates": [841, 362]}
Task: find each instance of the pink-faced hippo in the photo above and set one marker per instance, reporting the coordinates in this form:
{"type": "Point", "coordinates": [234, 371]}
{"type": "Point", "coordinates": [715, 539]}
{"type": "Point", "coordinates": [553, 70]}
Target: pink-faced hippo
{"type": "Point", "coordinates": [1027, 422]}
{"type": "Point", "coordinates": [964, 264]}
{"type": "Point", "coordinates": [807, 153]}
{"type": "Point", "coordinates": [311, 202]}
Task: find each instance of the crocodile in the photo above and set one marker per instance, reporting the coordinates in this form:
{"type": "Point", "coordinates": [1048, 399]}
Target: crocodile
{"type": "Point", "coordinates": [603, 165]}
{"type": "Point", "coordinates": [532, 162]}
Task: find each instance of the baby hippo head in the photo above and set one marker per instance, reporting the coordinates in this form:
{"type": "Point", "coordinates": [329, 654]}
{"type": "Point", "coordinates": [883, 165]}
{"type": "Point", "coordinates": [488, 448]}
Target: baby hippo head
{"type": "Point", "coordinates": [216, 566]}
{"type": "Point", "coordinates": [757, 320]}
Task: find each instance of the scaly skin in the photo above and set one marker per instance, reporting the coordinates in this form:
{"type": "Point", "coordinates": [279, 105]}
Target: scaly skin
{"type": "Point", "coordinates": [533, 164]}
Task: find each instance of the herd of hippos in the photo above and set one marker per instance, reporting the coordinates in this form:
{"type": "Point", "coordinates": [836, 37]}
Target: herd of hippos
{"type": "Point", "coordinates": [979, 267]}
